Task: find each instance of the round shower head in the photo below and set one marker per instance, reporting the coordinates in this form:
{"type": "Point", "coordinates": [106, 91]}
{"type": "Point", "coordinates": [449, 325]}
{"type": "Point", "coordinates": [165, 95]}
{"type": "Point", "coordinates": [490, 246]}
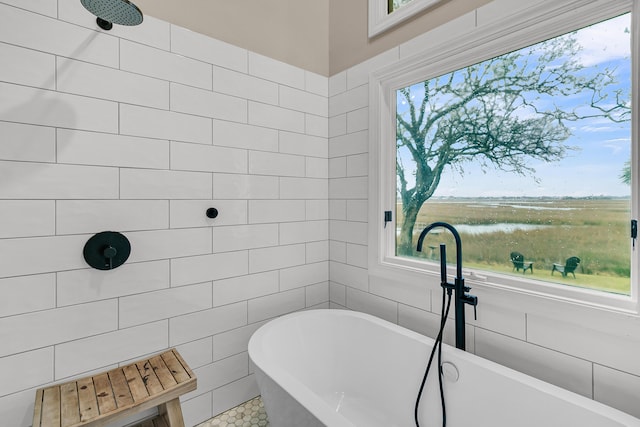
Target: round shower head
{"type": "Point", "coordinates": [121, 12]}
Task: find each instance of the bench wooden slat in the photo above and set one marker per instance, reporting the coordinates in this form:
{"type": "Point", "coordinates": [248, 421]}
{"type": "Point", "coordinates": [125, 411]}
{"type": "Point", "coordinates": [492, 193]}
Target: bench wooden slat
{"type": "Point", "coordinates": [184, 364]}
{"type": "Point", "coordinates": [163, 373]}
{"type": "Point", "coordinates": [120, 388]}
{"type": "Point", "coordinates": [150, 378]}
{"type": "Point", "coordinates": [51, 407]}
{"type": "Point", "coordinates": [37, 409]}
{"type": "Point", "coordinates": [87, 399]}
{"type": "Point", "coordinates": [69, 404]}
{"type": "Point", "coordinates": [104, 393]}
{"type": "Point", "coordinates": [175, 367]}
{"type": "Point", "coordinates": [136, 385]}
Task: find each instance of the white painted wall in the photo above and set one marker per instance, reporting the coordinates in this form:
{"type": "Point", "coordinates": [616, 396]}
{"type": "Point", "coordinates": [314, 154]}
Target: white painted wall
{"type": "Point", "coordinates": [545, 339]}
{"type": "Point", "coordinates": [140, 130]}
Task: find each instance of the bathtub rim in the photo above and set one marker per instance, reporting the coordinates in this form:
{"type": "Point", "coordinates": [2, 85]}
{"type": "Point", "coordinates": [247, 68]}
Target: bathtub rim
{"type": "Point", "coordinates": [318, 407]}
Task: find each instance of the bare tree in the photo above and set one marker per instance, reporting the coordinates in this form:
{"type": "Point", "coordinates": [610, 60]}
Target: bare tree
{"type": "Point", "coordinates": [489, 114]}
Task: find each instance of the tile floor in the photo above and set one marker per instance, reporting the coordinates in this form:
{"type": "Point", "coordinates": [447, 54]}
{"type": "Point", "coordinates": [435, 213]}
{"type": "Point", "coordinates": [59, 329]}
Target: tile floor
{"type": "Point", "coordinates": [248, 414]}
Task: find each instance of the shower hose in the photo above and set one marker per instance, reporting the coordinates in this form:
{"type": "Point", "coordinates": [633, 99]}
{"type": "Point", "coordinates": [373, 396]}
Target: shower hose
{"type": "Point", "coordinates": [437, 345]}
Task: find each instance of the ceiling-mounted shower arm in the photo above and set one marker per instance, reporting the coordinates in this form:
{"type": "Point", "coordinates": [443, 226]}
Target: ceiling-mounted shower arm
{"type": "Point", "coordinates": [105, 25]}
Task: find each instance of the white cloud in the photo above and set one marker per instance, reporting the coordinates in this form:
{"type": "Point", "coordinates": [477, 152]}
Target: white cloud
{"type": "Point", "coordinates": [605, 41]}
{"type": "Point", "coordinates": [594, 129]}
{"type": "Point", "coordinates": [617, 146]}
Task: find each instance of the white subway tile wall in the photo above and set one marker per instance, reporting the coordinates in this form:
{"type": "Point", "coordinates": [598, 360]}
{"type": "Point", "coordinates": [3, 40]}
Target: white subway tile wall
{"type": "Point", "coordinates": [42, 33]}
{"type": "Point", "coordinates": [24, 294]}
{"type": "Point", "coordinates": [245, 86]}
{"type": "Point", "coordinates": [24, 218]}
{"type": "Point", "coordinates": [206, 49]}
{"type": "Point", "coordinates": [41, 372]}
{"type": "Point", "coordinates": [29, 67]}
{"type": "Point", "coordinates": [102, 82]}
{"type": "Point", "coordinates": [317, 251]}
{"type": "Point", "coordinates": [554, 367]}
{"type": "Point", "coordinates": [240, 135]}
{"type": "Point", "coordinates": [140, 130]}
{"type": "Point", "coordinates": [81, 286]}
{"type": "Point", "coordinates": [316, 125]}
{"type": "Point", "coordinates": [276, 117]}
{"type": "Point", "coordinates": [104, 149]}
{"type": "Point", "coordinates": [616, 388]}
{"type": "Point", "coordinates": [201, 102]}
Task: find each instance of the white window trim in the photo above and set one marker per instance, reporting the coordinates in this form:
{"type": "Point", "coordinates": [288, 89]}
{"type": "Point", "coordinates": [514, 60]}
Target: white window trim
{"type": "Point", "coordinates": [520, 29]}
{"type": "Point", "coordinates": [380, 20]}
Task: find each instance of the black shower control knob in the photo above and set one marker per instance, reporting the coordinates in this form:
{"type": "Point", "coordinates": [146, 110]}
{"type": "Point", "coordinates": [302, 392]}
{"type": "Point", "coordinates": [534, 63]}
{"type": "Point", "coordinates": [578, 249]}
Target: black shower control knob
{"type": "Point", "coordinates": [107, 250]}
{"type": "Point", "coordinates": [212, 212]}
{"type": "Point", "coordinates": [110, 252]}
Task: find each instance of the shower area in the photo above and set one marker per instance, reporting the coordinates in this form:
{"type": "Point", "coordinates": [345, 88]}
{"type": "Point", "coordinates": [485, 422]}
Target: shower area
{"type": "Point", "coordinates": [210, 159]}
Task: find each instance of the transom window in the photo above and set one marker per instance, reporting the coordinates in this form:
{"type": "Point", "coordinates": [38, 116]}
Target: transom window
{"type": "Point", "coordinates": [393, 5]}
{"type": "Point", "coordinates": [384, 14]}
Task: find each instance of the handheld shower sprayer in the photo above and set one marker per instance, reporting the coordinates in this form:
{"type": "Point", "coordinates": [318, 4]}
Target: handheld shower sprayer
{"type": "Point", "coordinates": [109, 12]}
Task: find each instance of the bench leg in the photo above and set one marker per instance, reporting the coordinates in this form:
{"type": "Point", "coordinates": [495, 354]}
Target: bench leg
{"type": "Point", "coordinates": [172, 412]}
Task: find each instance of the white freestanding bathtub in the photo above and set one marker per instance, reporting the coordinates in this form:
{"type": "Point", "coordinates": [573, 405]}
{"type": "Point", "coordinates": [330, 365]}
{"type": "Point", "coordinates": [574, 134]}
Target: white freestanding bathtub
{"type": "Point", "coordinates": [341, 368]}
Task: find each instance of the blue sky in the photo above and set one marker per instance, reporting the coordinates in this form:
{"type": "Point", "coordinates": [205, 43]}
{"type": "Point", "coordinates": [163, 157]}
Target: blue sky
{"type": "Point", "coordinates": [604, 147]}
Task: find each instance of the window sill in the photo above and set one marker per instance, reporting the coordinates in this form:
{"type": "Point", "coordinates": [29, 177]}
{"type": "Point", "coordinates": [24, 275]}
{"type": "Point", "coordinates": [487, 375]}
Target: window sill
{"type": "Point", "coordinates": [588, 308]}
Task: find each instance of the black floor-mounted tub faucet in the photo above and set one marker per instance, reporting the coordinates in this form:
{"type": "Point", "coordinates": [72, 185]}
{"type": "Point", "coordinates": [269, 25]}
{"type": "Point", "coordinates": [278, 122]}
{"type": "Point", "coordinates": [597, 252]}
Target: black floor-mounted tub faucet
{"type": "Point", "coordinates": [461, 296]}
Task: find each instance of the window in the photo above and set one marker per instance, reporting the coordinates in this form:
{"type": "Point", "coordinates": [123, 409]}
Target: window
{"type": "Point", "coordinates": [393, 5]}
{"type": "Point", "coordinates": [384, 14]}
{"type": "Point", "coordinates": [526, 150]}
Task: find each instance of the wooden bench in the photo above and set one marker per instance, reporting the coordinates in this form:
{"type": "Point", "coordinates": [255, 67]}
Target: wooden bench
{"type": "Point", "coordinates": [106, 397]}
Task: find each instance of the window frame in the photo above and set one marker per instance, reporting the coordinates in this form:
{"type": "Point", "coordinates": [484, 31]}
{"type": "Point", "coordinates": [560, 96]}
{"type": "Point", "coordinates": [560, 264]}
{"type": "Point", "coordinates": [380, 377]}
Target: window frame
{"type": "Point", "coordinates": [380, 20]}
{"type": "Point", "coordinates": [528, 26]}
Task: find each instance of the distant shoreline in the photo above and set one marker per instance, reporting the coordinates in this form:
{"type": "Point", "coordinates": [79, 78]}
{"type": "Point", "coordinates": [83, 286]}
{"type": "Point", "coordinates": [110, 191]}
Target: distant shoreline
{"type": "Point", "coordinates": [523, 198]}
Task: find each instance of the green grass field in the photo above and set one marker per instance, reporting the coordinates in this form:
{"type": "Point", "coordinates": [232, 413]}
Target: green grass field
{"type": "Point", "coordinates": [595, 230]}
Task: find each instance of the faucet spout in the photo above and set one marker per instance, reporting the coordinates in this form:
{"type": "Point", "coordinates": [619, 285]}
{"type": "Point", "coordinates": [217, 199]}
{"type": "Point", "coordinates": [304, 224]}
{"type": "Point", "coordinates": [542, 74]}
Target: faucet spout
{"type": "Point", "coordinates": [461, 295]}
{"type": "Point", "coordinates": [456, 236]}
